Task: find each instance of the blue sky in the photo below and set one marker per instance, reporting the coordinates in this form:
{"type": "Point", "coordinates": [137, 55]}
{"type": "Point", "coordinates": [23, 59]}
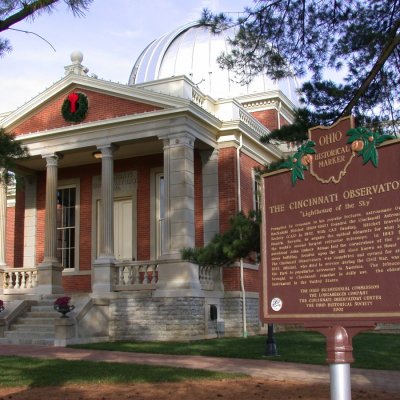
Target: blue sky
{"type": "Point", "coordinates": [111, 36]}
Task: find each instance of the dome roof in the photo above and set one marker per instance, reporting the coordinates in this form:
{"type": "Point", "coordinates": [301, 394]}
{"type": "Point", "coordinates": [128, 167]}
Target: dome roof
{"type": "Point", "coordinates": [192, 50]}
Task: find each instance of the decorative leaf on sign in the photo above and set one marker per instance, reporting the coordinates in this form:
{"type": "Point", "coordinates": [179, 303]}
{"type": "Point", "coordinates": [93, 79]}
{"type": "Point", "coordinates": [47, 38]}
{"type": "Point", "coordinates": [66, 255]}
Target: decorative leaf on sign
{"type": "Point", "coordinates": [364, 142]}
{"type": "Point", "coordinates": [299, 162]}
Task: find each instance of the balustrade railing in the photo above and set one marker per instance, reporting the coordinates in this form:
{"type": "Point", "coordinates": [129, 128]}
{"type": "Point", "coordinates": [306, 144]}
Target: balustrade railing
{"type": "Point", "coordinates": [19, 280]}
{"type": "Point", "coordinates": [128, 275]}
{"type": "Point", "coordinates": [135, 275]}
{"type": "Point", "coordinates": [206, 277]}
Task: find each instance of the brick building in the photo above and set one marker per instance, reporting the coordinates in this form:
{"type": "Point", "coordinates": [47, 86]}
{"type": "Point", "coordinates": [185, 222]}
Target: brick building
{"type": "Point", "coordinates": [119, 179]}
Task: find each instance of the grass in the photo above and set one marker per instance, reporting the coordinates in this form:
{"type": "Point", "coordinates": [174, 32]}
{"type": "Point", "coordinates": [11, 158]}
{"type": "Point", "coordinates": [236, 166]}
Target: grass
{"type": "Point", "coordinates": [31, 372]}
{"type": "Point", "coordinates": [371, 350]}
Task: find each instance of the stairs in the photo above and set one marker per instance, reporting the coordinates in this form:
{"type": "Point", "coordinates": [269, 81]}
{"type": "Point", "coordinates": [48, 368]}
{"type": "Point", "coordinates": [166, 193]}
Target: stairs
{"type": "Point", "coordinates": [34, 327]}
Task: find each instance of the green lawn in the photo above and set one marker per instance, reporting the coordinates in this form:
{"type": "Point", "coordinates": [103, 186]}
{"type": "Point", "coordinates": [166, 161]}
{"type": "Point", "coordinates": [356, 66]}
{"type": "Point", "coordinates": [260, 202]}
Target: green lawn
{"type": "Point", "coordinates": [371, 350]}
{"type": "Point", "coordinates": [32, 372]}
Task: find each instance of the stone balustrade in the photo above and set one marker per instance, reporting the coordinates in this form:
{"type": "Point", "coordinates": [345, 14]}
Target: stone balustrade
{"type": "Point", "coordinates": [206, 277]}
{"type": "Point", "coordinates": [135, 275]}
{"type": "Point", "coordinates": [128, 275]}
{"type": "Point", "coordinates": [19, 280]}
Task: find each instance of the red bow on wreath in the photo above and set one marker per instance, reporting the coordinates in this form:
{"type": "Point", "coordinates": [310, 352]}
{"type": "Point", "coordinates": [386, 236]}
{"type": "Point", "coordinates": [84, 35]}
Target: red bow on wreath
{"type": "Point", "coordinates": [73, 99]}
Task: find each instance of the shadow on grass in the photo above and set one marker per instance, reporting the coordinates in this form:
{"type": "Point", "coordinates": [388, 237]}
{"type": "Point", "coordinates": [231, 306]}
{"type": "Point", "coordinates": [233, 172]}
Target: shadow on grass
{"type": "Point", "coordinates": [30, 372]}
{"type": "Point", "coordinates": [371, 350]}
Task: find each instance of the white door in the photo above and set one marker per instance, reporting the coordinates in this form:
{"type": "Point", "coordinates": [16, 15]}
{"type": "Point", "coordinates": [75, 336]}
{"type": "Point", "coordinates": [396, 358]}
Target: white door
{"type": "Point", "coordinates": [123, 229]}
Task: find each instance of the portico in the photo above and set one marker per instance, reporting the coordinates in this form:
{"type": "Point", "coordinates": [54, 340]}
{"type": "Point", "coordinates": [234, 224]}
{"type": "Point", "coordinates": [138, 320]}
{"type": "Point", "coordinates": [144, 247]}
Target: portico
{"type": "Point", "coordinates": [112, 195]}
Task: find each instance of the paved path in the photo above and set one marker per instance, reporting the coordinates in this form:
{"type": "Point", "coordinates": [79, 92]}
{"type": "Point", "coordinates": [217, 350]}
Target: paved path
{"type": "Point", "coordinates": [272, 370]}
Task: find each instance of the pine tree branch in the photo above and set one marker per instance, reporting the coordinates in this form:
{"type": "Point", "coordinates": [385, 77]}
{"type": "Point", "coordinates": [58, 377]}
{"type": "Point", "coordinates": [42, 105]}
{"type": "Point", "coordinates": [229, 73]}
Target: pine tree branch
{"type": "Point", "coordinates": [391, 44]}
{"type": "Point", "coordinates": [26, 11]}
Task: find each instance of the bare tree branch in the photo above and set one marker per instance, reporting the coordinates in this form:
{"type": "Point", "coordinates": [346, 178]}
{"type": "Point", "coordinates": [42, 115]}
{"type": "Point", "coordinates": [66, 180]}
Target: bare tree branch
{"type": "Point", "coordinates": [33, 33]}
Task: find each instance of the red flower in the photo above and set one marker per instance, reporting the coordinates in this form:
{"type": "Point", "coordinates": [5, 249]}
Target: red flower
{"type": "Point", "coordinates": [62, 301]}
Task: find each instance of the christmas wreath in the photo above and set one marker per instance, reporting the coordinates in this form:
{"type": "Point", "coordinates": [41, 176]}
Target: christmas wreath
{"type": "Point", "coordinates": [75, 107]}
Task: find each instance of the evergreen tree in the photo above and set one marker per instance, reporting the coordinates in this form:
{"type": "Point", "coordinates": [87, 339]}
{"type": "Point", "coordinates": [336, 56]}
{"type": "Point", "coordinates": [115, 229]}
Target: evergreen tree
{"type": "Point", "coordinates": [14, 11]}
{"type": "Point", "coordinates": [10, 150]}
{"type": "Point", "coordinates": [357, 41]}
{"type": "Point", "coordinates": [242, 238]}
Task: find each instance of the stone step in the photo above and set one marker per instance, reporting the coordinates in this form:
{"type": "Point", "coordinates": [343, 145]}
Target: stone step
{"type": "Point", "coordinates": [42, 314]}
{"type": "Point", "coordinates": [45, 320]}
{"type": "Point", "coordinates": [41, 308]}
{"type": "Point", "coordinates": [28, 335]}
{"type": "Point", "coordinates": [33, 341]}
{"type": "Point", "coordinates": [32, 328]}
{"type": "Point", "coordinates": [36, 326]}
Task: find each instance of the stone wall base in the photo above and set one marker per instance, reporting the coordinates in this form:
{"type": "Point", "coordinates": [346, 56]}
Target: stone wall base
{"type": "Point", "coordinates": [180, 318]}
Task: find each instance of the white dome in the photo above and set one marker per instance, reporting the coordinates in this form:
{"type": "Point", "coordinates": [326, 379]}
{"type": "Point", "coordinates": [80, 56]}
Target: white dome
{"type": "Point", "coordinates": [192, 50]}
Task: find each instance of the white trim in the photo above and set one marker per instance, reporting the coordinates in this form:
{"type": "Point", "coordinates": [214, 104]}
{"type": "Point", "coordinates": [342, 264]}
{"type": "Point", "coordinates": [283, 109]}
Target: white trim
{"type": "Point", "coordinates": [66, 184]}
{"type": "Point", "coordinates": [255, 181]}
{"type": "Point", "coordinates": [129, 191]}
{"type": "Point", "coordinates": [155, 251]}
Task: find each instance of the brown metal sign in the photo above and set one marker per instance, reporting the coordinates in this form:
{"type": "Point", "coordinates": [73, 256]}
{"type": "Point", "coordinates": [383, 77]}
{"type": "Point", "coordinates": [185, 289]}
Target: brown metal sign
{"type": "Point", "coordinates": [331, 242]}
{"type": "Point", "coordinates": [334, 156]}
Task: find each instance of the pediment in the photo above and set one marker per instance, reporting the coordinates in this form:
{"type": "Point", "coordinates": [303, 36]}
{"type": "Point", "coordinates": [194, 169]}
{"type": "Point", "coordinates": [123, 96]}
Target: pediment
{"type": "Point", "coordinates": [100, 106]}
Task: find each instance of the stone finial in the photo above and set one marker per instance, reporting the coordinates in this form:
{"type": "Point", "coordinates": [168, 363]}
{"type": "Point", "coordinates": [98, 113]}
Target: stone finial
{"type": "Point", "coordinates": [76, 57]}
{"type": "Point", "coordinates": [76, 67]}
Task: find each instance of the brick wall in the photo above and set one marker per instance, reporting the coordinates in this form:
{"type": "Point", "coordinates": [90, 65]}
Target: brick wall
{"type": "Point", "coordinates": [19, 229]}
{"type": "Point", "coordinates": [284, 121]}
{"type": "Point", "coordinates": [231, 276]}
{"type": "Point", "coordinates": [198, 200]}
{"type": "Point", "coordinates": [75, 284]}
{"type": "Point", "coordinates": [15, 231]}
{"type": "Point", "coordinates": [101, 107]}
{"type": "Point", "coordinates": [227, 180]}
{"type": "Point", "coordinates": [269, 118]}
{"type": "Point", "coordinates": [10, 236]}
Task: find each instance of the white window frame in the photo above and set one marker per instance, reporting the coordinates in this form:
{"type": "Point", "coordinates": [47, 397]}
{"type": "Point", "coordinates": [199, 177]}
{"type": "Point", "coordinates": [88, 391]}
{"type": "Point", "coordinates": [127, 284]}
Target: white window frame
{"type": "Point", "coordinates": [75, 184]}
{"type": "Point", "coordinates": [157, 209]}
{"type": "Point", "coordinates": [256, 191]}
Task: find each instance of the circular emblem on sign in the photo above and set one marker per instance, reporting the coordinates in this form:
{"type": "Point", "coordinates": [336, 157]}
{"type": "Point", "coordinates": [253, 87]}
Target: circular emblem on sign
{"type": "Point", "coordinates": [276, 304]}
{"type": "Point", "coordinates": [75, 107]}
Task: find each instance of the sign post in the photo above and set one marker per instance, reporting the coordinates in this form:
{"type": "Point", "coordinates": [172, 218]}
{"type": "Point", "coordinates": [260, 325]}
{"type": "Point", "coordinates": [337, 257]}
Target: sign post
{"type": "Point", "coordinates": [331, 240]}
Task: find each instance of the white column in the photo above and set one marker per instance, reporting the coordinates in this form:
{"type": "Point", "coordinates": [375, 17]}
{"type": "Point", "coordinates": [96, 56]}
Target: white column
{"type": "Point", "coordinates": [177, 277]}
{"type": "Point", "coordinates": [107, 203]}
{"type": "Point", "coordinates": [50, 270]}
{"type": "Point", "coordinates": [3, 221]}
{"type": "Point", "coordinates": [209, 160]}
{"type": "Point", "coordinates": [50, 234]}
{"type": "Point", "coordinates": [179, 196]}
{"type": "Point", "coordinates": [30, 223]}
{"type": "Point", "coordinates": [103, 268]}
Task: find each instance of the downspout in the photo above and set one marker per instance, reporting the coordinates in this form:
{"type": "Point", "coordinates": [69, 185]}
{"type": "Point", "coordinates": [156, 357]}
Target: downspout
{"type": "Point", "coordinates": [279, 114]}
{"type": "Point", "coordinates": [239, 198]}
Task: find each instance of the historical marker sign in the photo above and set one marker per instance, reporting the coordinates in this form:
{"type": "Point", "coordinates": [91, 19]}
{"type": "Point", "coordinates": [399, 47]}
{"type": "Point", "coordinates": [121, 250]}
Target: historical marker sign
{"type": "Point", "coordinates": [331, 242]}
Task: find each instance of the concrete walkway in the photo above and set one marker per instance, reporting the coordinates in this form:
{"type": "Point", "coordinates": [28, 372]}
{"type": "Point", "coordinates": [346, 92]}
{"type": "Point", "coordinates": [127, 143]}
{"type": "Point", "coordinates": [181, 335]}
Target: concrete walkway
{"type": "Point", "coordinates": [388, 381]}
